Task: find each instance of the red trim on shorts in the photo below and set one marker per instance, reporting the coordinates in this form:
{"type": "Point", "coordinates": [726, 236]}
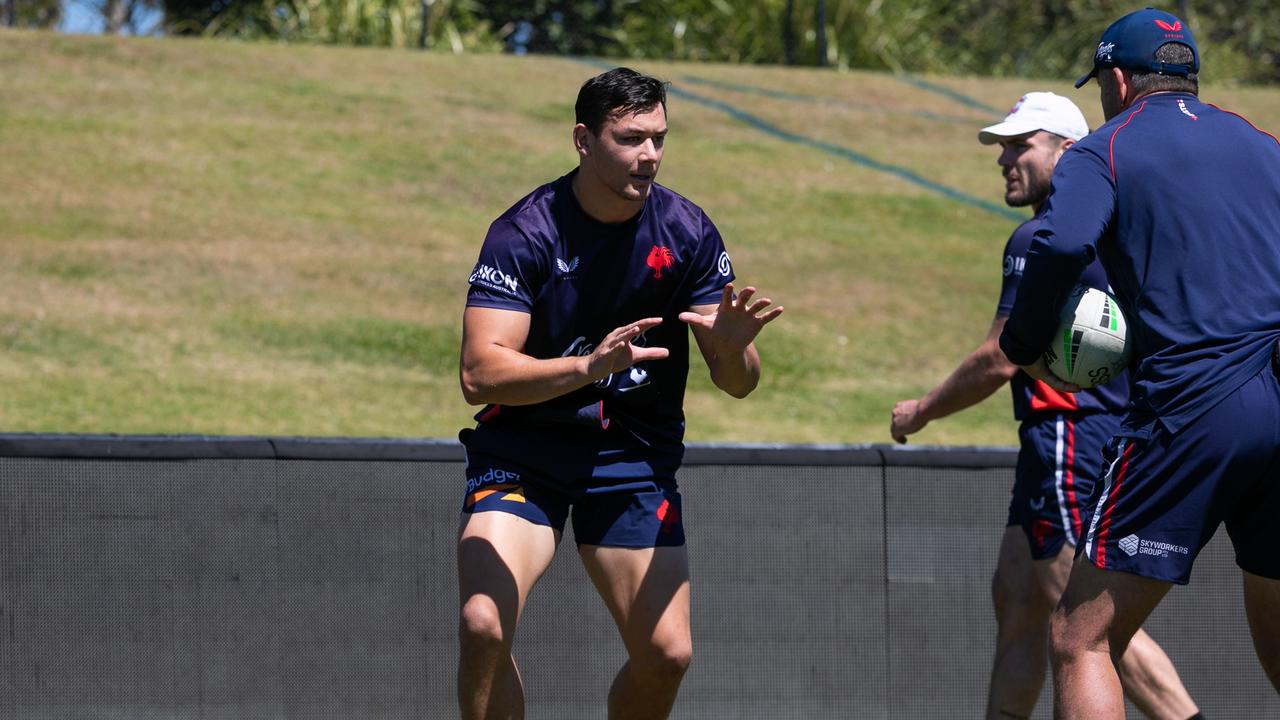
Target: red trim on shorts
{"type": "Point", "coordinates": [1069, 481]}
{"type": "Point", "coordinates": [1104, 527]}
{"type": "Point", "coordinates": [490, 414]}
{"type": "Point", "coordinates": [1111, 146]}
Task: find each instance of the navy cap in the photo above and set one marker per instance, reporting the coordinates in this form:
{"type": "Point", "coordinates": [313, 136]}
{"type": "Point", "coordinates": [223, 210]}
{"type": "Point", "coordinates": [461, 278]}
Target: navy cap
{"type": "Point", "coordinates": [1130, 43]}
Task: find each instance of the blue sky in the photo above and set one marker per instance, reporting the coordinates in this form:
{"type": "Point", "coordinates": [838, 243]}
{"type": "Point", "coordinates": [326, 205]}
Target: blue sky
{"type": "Point", "coordinates": [82, 17]}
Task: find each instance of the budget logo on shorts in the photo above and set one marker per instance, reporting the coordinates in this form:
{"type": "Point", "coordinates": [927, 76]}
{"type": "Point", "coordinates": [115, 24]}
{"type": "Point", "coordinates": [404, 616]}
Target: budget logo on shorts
{"type": "Point", "coordinates": [494, 481]}
{"type": "Point", "coordinates": [1129, 545]}
{"type": "Point", "coordinates": [492, 476]}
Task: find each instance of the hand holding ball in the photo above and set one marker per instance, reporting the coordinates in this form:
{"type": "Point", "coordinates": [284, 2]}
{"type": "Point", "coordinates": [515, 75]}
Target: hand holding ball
{"type": "Point", "coordinates": [1091, 346]}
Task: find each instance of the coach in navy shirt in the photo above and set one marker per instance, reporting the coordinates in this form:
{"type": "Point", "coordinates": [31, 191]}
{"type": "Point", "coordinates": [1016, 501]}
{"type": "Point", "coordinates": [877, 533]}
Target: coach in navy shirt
{"type": "Point", "coordinates": [1060, 438]}
{"type": "Point", "coordinates": [1181, 201]}
{"type": "Point", "coordinates": [575, 341]}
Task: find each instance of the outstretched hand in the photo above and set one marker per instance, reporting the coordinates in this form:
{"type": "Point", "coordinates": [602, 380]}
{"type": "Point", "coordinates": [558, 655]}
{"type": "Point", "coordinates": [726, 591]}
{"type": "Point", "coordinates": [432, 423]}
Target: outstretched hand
{"type": "Point", "coordinates": [1040, 371]}
{"type": "Point", "coordinates": [616, 351]}
{"type": "Point", "coordinates": [736, 321]}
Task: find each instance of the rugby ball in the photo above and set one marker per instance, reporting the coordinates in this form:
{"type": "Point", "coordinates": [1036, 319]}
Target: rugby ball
{"type": "Point", "coordinates": [1091, 346]}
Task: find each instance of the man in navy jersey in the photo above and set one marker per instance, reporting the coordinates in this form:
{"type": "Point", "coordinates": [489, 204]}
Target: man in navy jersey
{"type": "Point", "coordinates": [575, 341]}
{"type": "Point", "coordinates": [1061, 437]}
{"type": "Point", "coordinates": [1181, 202]}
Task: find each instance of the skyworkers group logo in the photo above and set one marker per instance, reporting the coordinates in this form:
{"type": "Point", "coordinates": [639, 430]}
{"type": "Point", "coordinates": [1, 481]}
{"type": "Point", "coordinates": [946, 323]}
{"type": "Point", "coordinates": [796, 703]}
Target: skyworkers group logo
{"type": "Point", "coordinates": [1129, 545]}
{"type": "Point", "coordinates": [1134, 545]}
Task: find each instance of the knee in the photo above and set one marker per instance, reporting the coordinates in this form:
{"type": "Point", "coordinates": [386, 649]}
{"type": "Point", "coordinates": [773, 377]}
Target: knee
{"type": "Point", "coordinates": [666, 662]}
{"type": "Point", "coordinates": [1066, 643]}
{"type": "Point", "coordinates": [480, 624]}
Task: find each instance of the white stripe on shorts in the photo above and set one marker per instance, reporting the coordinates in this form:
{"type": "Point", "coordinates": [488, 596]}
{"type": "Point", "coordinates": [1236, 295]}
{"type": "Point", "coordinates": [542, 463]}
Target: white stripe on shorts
{"type": "Point", "coordinates": [1060, 470]}
{"type": "Point", "coordinates": [1106, 492]}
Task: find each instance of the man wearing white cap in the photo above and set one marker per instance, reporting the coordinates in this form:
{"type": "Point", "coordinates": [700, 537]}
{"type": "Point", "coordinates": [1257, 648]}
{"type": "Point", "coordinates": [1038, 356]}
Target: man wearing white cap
{"type": "Point", "coordinates": [1061, 437]}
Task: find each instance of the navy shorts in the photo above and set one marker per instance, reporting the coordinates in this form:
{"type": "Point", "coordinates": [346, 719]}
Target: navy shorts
{"type": "Point", "coordinates": [1165, 494]}
{"type": "Point", "coordinates": [618, 494]}
{"type": "Point", "coordinates": [1059, 463]}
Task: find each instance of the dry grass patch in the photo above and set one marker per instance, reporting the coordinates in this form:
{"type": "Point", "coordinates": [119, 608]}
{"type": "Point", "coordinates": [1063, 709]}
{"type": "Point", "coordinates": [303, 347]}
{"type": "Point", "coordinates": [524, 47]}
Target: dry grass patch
{"type": "Point", "coordinates": [221, 237]}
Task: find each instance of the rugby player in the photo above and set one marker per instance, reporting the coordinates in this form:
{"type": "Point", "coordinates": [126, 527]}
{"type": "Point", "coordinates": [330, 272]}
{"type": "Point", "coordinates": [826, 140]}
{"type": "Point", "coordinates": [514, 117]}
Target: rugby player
{"type": "Point", "coordinates": [575, 340]}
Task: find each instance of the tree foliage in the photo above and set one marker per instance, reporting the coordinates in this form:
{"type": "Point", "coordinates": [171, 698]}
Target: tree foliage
{"type": "Point", "coordinates": [455, 24]}
{"type": "Point", "coordinates": [1047, 38]}
{"type": "Point", "coordinates": [30, 13]}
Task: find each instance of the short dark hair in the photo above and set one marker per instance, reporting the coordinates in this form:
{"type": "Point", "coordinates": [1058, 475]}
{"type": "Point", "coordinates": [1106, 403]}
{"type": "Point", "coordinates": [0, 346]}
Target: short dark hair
{"type": "Point", "coordinates": [1145, 82]}
{"type": "Point", "coordinates": [620, 91]}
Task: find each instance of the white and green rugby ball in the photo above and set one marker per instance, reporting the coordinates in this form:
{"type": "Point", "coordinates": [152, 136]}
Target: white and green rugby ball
{"type": "Point", "coordinates": [1091, 346]}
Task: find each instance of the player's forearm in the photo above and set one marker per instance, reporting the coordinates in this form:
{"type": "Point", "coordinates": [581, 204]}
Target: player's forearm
{"type": "Point", "coordinates": [508, 377]}
{"type": "Point", "coordinates": [736, 373]}
{"type": "Point", "coordinates": [978, 376]}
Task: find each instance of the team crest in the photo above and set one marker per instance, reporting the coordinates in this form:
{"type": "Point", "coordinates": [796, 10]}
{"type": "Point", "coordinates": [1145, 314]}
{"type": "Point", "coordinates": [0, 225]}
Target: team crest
{"type": "Point", "coordinates": [660, 258]}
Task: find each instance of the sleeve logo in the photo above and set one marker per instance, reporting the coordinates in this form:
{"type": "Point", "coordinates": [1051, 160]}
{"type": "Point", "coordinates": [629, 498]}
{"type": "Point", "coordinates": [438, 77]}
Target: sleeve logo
{"type": "Point", "coordinates": [494, 279]}
{"type": "Point", "coordinates": [723, 264]}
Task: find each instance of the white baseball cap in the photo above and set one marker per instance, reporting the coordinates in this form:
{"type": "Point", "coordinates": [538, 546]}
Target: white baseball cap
{"type": "Point", "coordinates": [1038, 111]}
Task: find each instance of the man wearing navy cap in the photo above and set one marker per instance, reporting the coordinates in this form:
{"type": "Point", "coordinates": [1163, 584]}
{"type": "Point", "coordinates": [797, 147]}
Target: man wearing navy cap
{"type": "Point", "coordinates": [1181, 202]}
{"type": "Point", "coordinates": [1060, 445]}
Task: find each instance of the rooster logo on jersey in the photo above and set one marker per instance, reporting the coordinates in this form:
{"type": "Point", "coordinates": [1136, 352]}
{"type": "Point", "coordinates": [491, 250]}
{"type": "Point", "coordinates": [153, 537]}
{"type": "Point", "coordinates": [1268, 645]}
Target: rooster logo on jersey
{"type": "Point", "coordinates": [660, 258]}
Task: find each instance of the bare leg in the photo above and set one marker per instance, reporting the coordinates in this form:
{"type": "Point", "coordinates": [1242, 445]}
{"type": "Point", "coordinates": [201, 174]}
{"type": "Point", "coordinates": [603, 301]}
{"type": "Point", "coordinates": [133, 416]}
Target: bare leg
{"type": "Point", "coordinates": [1090, 630]}
{"type": "Point", "coordinates": [1152, 683]}
{"type": "Point", "coordinates": [1022, 639]}
{"type": "Point", "coordinates": [1262, 606]}
{"type": "Point", "coordinates": [647, 592]}
{"type": "Point", "coordinates": [500, 558]}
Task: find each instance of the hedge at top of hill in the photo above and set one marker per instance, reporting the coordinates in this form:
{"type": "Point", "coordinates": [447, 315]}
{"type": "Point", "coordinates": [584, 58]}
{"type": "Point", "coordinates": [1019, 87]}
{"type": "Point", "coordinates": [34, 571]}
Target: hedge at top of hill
{"type": "Point", "coordinates": [1030, 38]}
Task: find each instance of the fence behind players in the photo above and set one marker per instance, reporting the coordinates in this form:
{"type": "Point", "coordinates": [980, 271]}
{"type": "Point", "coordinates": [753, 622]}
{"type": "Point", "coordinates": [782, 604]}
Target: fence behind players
{"type": "Point", "coordinates": [302, 578]}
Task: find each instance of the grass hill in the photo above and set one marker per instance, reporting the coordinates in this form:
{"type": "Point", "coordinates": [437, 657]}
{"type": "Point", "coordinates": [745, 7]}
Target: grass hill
{"type": "Point", "coordinates": [228, 238]}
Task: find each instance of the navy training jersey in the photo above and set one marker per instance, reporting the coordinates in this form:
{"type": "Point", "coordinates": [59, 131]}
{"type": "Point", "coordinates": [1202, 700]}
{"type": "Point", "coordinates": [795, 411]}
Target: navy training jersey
{"type": "Point", "coordinates": [580, 279]}
{"type": "Point", "coordinates": [1181, 201]}
{"type": "Point", "coordinates": [1031, 396]}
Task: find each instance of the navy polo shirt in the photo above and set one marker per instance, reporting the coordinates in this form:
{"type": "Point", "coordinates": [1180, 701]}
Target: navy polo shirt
{"type": "Point", "coordinates": [580, 279]}
{"type": "Point", "coordinates": [1181, 202]}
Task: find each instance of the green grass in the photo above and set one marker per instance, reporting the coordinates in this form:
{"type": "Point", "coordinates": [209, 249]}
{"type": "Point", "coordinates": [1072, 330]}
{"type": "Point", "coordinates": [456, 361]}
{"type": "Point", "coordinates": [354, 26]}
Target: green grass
{"type": "Point", "coordinates": [230, 238]}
